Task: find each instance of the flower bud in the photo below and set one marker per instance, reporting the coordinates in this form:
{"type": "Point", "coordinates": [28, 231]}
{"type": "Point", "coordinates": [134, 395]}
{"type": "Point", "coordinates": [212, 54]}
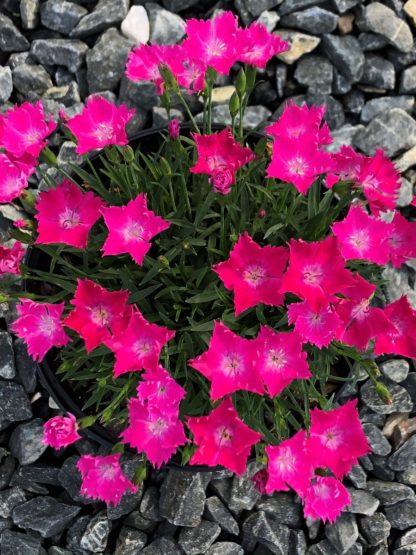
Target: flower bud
{"type": "Point", "coordinates": [241, 82]}
{"type": "Point", "coordinates": [140, 474]}
{"type": "Point", "coordinates": [164, 166]}
{"type": "Point", "coordinates": [383, 393]}
{"type": "Point", "coordinates": [261, 213]}
{"type": "Point", "coordinates": [128, 153]}
{"type": "Point", "coordinates": [163, 261]}
{"type": "Point", "coordinates": [234, 104]}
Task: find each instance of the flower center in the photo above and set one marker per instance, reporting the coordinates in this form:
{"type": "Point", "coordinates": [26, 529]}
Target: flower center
{"type": "Point", "coordinates": [216, 47]}
{"type": "Point", "coordinates": [108, 471]}
{"type": "Point", "coordinates": [100, 315]}
{"type": "Point", "coordinates": [232, 364]}
{"type": "Point", "coordinates": [361, 310]}
{"type": "Point", "coordinates": [285, 462]}
{"type": "Point", "coordinates": [297, 166]}
{"type": "Point", "coordinates": [254, 275]}
{"type": "Point", "coordinates": [143, 347]}
{"type": "Point", "coordinates": [103, 132]}
{"type": "Point", "coordinates": [224, 435]}
{"type": "Point", "coordinates": [371, 182]}
{"type": "Point", "coordinates": [32, 137]}
{"type": "Point", "coordinates": [69, 219]}
{"type": "Point", "coordinates": [360, 240]}
{"type": "Point", "coordinates": [276, 359]}
{"type": "Point", "coordinates": [322, 491]}
{"type": "Point", "coordinates": [132, 231]}
{"type": "Point", "coordinates": [312, 274]}
{"type": "Point", "coordinates": [332, 438]}
{"type": "Point", "coordinates": [47, 325]}
{"type": "Point", "coordinates": [158, 427]}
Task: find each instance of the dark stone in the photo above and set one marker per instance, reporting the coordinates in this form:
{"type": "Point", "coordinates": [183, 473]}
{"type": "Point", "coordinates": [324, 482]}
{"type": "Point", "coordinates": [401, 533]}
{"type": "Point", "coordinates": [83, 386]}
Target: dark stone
{"type": "Point", "coordinates": [401, 60]}
{"type": "Point", "coordinates": [162, 546]}
{"type": "Point", "coordinates": [334, 114]}
{"type": "Point", "coordinates": [400, 397]}
{"type": "Point", "coordinates": [375, 528]}
{"type": "Point", "coordinates": [70, 479]}
{"type": "Point", "coordinates": [389, 493]}
{"type": "Point", "coordinates": [378, 442]}
{"type": "Point", "coordinates": [346, 54]}
{"type": "Point", "coordinates": [149, 506]}
{"type": "Point", "coordinates": [31, 79]}
{"type": "Point", "coordinates": [106, 13]}
{"type": "Point", "coordinates": [257, 7]}
{"type": "Point", "coordinates": [25, 366]}
{"type": "Point", "coordinates": [198, 539]}
{"type": "Point", "coordinates": [406, 538]}
{"type": "Point", "coordinates": [283, 508]}
{"type": "Point", "coordinates": [264, 93]}
{"type": "Point", "coordinates": [14, 403]}
{"type": "Point", "coordinates": [408, 81]}
{"type": "Point", "coordinates": [357, 476]}
{"type": "Point", "coordinates": [179, 5]}
{"type": "Point", "coordinates": [61, 16]}
{"type": "Point", "coordinates": [6, 471]}
{"type": "Point", "coordinates": [26, 442]}
{"type": "Point", "coordinates": [138, 521]}
{"type": "Point", "coordinates": [217, 512]}
{"type": "Point", "coordinates": [378, 72]}
{"type": "Point", "coordinates": [15, 543]}
{"type": "Point", "coordinates": [11, 39]}
{"type": "Point", "coordinates": [165, 27]}
{"type": "Point", "coordinates": [7, 368]}
{"type": "Point", "coordinates": [107, 60]}
{"type": "Point", "coordinates": [354, 101]}
{"type": "Point", "coordinates": [313, 20]}
{"type": "Point", "coordinates": [75, 533]}
{"type": "Point", "coordinates": [138, 94]}
{"type": "Point", "coordinates": [340, 84]}
{"type": "Point", "coordinates": [325, 547]}
{"type": "Point", "coordinates": [343, 533]}
{"type": "Point", "coordinates": [130, 541]}
{"type": "Point", "coordinates": [377, 106]}
{"type": "Point", "coordinates": [366, 414]}
{"type": "Point", "coordinates": [316, 73]}
{"type": "Point", "coordinates": [281, 76]}
{"type": "Point", "coordinates": [371, 41]}
{"type": "Point", "coordinates": [405, 456]}
{"type": "Point", "coordinates": [44, 515]}
{"type": "Point", "coordinates": [244, 495]}
{"type": "Point", "coordinates": [39, 473]}
{"type": "Point", "coordinates": [20, 58]}
{"type": "Point", "coordinates": [362, 502]}
{"type": "Point", "coordinates": [225, 548]}
{"type": "Point", "coordinates": [380, 468]}
{"type": "Point", "coordinates": [297, 542]}
{"type": "Point", "coordinates": [9, 499]}
{"type": "Point", "coordinates": [289, 6]}
{"type": "Point", "coordinates": [96, 533]}
{"type": "Point", "coordinates": [264, 530]}
{"type": "Point", "coordinates": [343, 6]}
{"type": "Point", "coordinates": [182, 498]}
{"type": "Point", "coordinates": [380, 19]}
{"type": "Point", "coordinates": [29, 13]}
{"type": "Point", "coordinates": [61, 52]}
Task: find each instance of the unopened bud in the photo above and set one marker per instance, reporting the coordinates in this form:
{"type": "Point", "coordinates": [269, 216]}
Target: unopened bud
{"type": "Point", "coordinates": [163, 261]}
{"type": "Point", "coordinates": [241, 82]}
{"type": "Point", "coordinates": [234, 104]}
{"type": "Point", "coordinates": [261, 213]}
{"type": "Point", "coordinates": [164, 166]}
{"type": "Point", "coordinates": [383, 393]}
{"type": "Point", "coordinates": [128, 153]}
{"type": "Point", "coordinates": [140, 474]}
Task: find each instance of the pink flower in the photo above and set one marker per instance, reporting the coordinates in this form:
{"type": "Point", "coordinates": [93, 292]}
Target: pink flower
{"type": "Point", "coordinates": [138, 346]}
{"type": "Point", "coordinates": [10, 258]}
{"type": "Point", "coordinates": [281, 359]}
{"type": "Point", "coordinates": [326, 498]}
{"type": "Point", "coordinates": [103, 478]}
{"type": "Point", "coordinates": [260, 479]}
{"type": "Point", "coordinates": [256, 45]}
{"type": "Point", "coordinates": [380, 182]}
{"type": "Point", "coordinates": [40, 327]}
{"type": "Point", "coordinates": [316, 325]}
{"type": "Point", "coordinates": [222, 438]}
{"type": "Point", "coordinates": [101, 123]}
{"type": "Point", "coordinates": [229, 363]}
{"type": "Point", "coordinates": [347, 166]}
{"type": "Point", "coordinates": [143, 64]}
{"type": "Point", "coordinates": [188, 70]}
{"type": "Point", "coordinates": [98, 313]}
{"type": "Point", "coordinates": [401, 339]}
{"type": "Point", "coordinates": [66, 215]}
{"type": "Point", "coordinates": [24, 128]}
{"type": "Point", "coordinates": [254, 273]}
{"type": "Point", "coordinates": [160, 390]}
{"type": "Point", "coordinates": [336, 437]}
{"type": "Point", "coordinates": [174, 128]}
{"type": "Point", "coordinates": [401, 240]}
{"type": "Point", "coordinates": [316, 271]}
{"type": "Point", "coordinates": [13, 178]}
{"type": "Point", "coordinates": [131, 228]}
{"type": "Point", "coordinates": [213, 41]}
{"type": "Point", "coordinates": [219, 156]}
{"type": "Point", "coordinates": [60, 431]}
{"type": "Point", "coordinates": [21, 223]}
{"type": "Point", "coordinates": [153, 432]}
{"type": "Point", "coordinates": [362, 237]}
{"type": "Point", "coordinates": [289, 465]}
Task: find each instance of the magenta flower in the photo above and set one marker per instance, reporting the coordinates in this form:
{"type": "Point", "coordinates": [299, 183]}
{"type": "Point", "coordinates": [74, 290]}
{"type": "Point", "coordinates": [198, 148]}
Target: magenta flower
{"type": "Point", "coordinates": [24, 129]}
{"type": "Point", "coordinates": [220, 156]}
{"type": "Point", "coordinates": [254, 273]}
{"type": "Point", "coordinates": [213, 41]}
{"type": "Point", "coordinates": [222, 438]}
{"type": "Point", "coordinates": [336, 438]}
{"type": "Point", "coordinates": [281, 359]}
{"type": "Point", "coordinates": [40, 327]}
{"type": "Point", "coordinates": [318, 325]}
{"type": "Point", "coordinates": [10, 259]}
{"type": "Point", "coordinates": [174, 128]}
{"type": "Point", "coordinates": [144, 61]}
{"type": "Point", "coordinates": [326, 498]}
{"type": "Point", "coordinates": [98, 313]}
{"type": "Point", "coordinates": [66, 215]}
{"type": "Point", "coordinates": [347, 166]}
{"type": "Point", "coordinates": [103, 478]}
{"type": "Point", "coordinates": [138, 346]}
{"type": "Point", "coordinates": [188, 70]}
{"type": "Point", "coordinates": [256, 45]}
{"type": "Point", "coordinates": [380, 182]}
{"type": "Point", "coordinates": [60, 431]}
{"type": "Point", "coordinates": [153, 432]}
{"type": "Point", "coordinates": [316, 271]}
{"type": "Point", "coordinates": [289, 465]}
{"type": "Point", "coordinates": [131, 228]}
{"type": "Point", "coordinates": [362, 237]}
{"type": "Point", "coordinates": [401, 339]}
{"type": "Point", "coordinates": [160, 390]}
{"type": "Point", "coordinates": [13, 178]}
{"type": "Point", "coordinates": [401, 240]}
{"type": "Point", "coordinates": [229, 363]}
{"type": "Point", "coordinates": [101, 123]}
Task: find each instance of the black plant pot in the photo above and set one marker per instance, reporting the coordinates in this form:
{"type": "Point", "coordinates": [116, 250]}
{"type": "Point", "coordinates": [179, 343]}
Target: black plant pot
{"type": "Point", "coordinates": [62, 395]}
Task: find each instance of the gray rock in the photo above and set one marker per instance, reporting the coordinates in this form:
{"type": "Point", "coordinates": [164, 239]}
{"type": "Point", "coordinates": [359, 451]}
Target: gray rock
{"type": "Point", "coordinates": [130, 541]}
{"type": "Point", "coordinates": [354, 101]}
{"type": "Point", "coordinates": [406, 538]}
{"type": "Point", "coordinates": [375, 528]}
{"type": "Point", "coordinates": [407, 160]}
{"type": "Point", "coordinates": [182, 498]}
{"type": "Point", "coordinates": [106, 13]}
{"type": "Point", "coordinates": [165, 27]}
{"type": "Point", "coordinates": [346, 54]}
{"type": "Point", "coordinates": [162, 546]}
{"type": "Point", "coordinates": [264, 530]}
{"type": "Point", "coordinates": [25, 366]}
{"type": "Point", "coordinates": [138, 94]}
{"type": "Point", "coordinates": [283, 508]}
{"type": "Point", "coordinates": [357, 476]}
{"type": "Point", "coordinates": [377, 106]}
{"type": "Point", "coordinates": [244, 495]}
{"type": "Point", "coordinates": [404, 456]}
{"type": "Point", "coordinates": [225, 548]}
{"type": "Point", "coordinates": [410, 385]}
{"type": "Point", "coordinates": [149, 506]}
{"type": "Point", "coordinates": [380, 19]}
{"type": "Point", "coordinates": [402, 515]}
{"type": "Point", "coordinates": [9, 499]}
{"type": "Point", "coordinates": [269, 20]}
{"type": "Point", "coordinates": [408, 81]}
{"type": "Point", "coordinates": [38, 473]}
{"type": "Point", "coordinates": [62, 52]}
{"type": "Point", "coordinates": [254, 116]}
{"type": "Point", "coordinates": [389, 493]}
{"type": "Point", "coordinates": [11, 39]}
{"type": "Point", "coordinates": [31, 79]}
{"type": "Point", "coordinates": [178, 5]}
{"type": "Point", "coordinates": [299, 44]}
{"type": "Point", "coordinates": [371, 41]}
{"type": "Point", "coordinates": [378, 72]}
{"type": "Point", "coordinates": [393, 130]}
{"type": "Point", "coordinates": [59, 551]}
{"type": "Point", "coordinates": [128, 503]}
{"type": "Point", "coordinates": [70, 479]}
{"type": "Point", "coordinates": [380, 468]}
{"type": "Point", "coordinates": [289, 6]}
{"type": "Point", "coordinates": [7, 368]}
{"type": "Point", "coordinates": [257, 7]}
{"type": "Point", "coordinates": [7, 467]}
{"type": "Point", "coordinates": [334, 114]}
{"type": "Point", "coordinates": [96, 534]}
{"type": "Point", "coordinates": [68, 95]}
{"type": "Point", "coordinates": [217, 512]}
{"type": "Point", "coordinates": [200, 538]}
{"type": "Point", "coordinates": [378, 443]}
{"type": "Point", "coordinates": [406, 550]}
{"type": "Point", "coordinates": [395, 369]}
{"type": "Point", "coordinates": [45, 515]}
{"type": "Point", "coordinates": [14, 403]}
{"type": "Point", "coordinates": [315, 72]}
{"type": "Point", "coordinates": [26, 442]}
{"type": "Point", "coordinates": [297, 542]}
{"type": "Point", "coordinates": [340, 84]}
{"type": "Point", "coordinates": [74, 535]}
{"type": "Point", "coordinates": [160, 116]}
{"type": "Point", "coordinates": [107, 60]}
{"type": "Point", "coordinates": [343, 533]}
{"type": "Point", "coordinates": [20, 58]}
{"type": "Point", "coordinates": [325, 547]}
{"type": "Point", "coordinates": [29, 13]}
{"type": "Point", "coordinates": [15, 543]}
{"type": "Point", "coordinates": [281, 76]}
{"type": "Point", "coordinates": [137, 521]}
{"type": "Point", "coordinates": [61, 16]}
{"type": "Point", "coordinates": [362, 502]}
{"type": "Point", "coordinates": [401, 60]}
{"type": "Point", "coordinates": [313, 20]}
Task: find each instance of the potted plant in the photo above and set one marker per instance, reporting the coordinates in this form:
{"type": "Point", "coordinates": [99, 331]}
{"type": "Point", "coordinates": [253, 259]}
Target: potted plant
{"type": "Point", "coordinates": [201, 292]}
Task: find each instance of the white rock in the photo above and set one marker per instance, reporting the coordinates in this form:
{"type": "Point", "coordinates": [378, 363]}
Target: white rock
{"type": "Point", "coordinates": [136, 25]}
